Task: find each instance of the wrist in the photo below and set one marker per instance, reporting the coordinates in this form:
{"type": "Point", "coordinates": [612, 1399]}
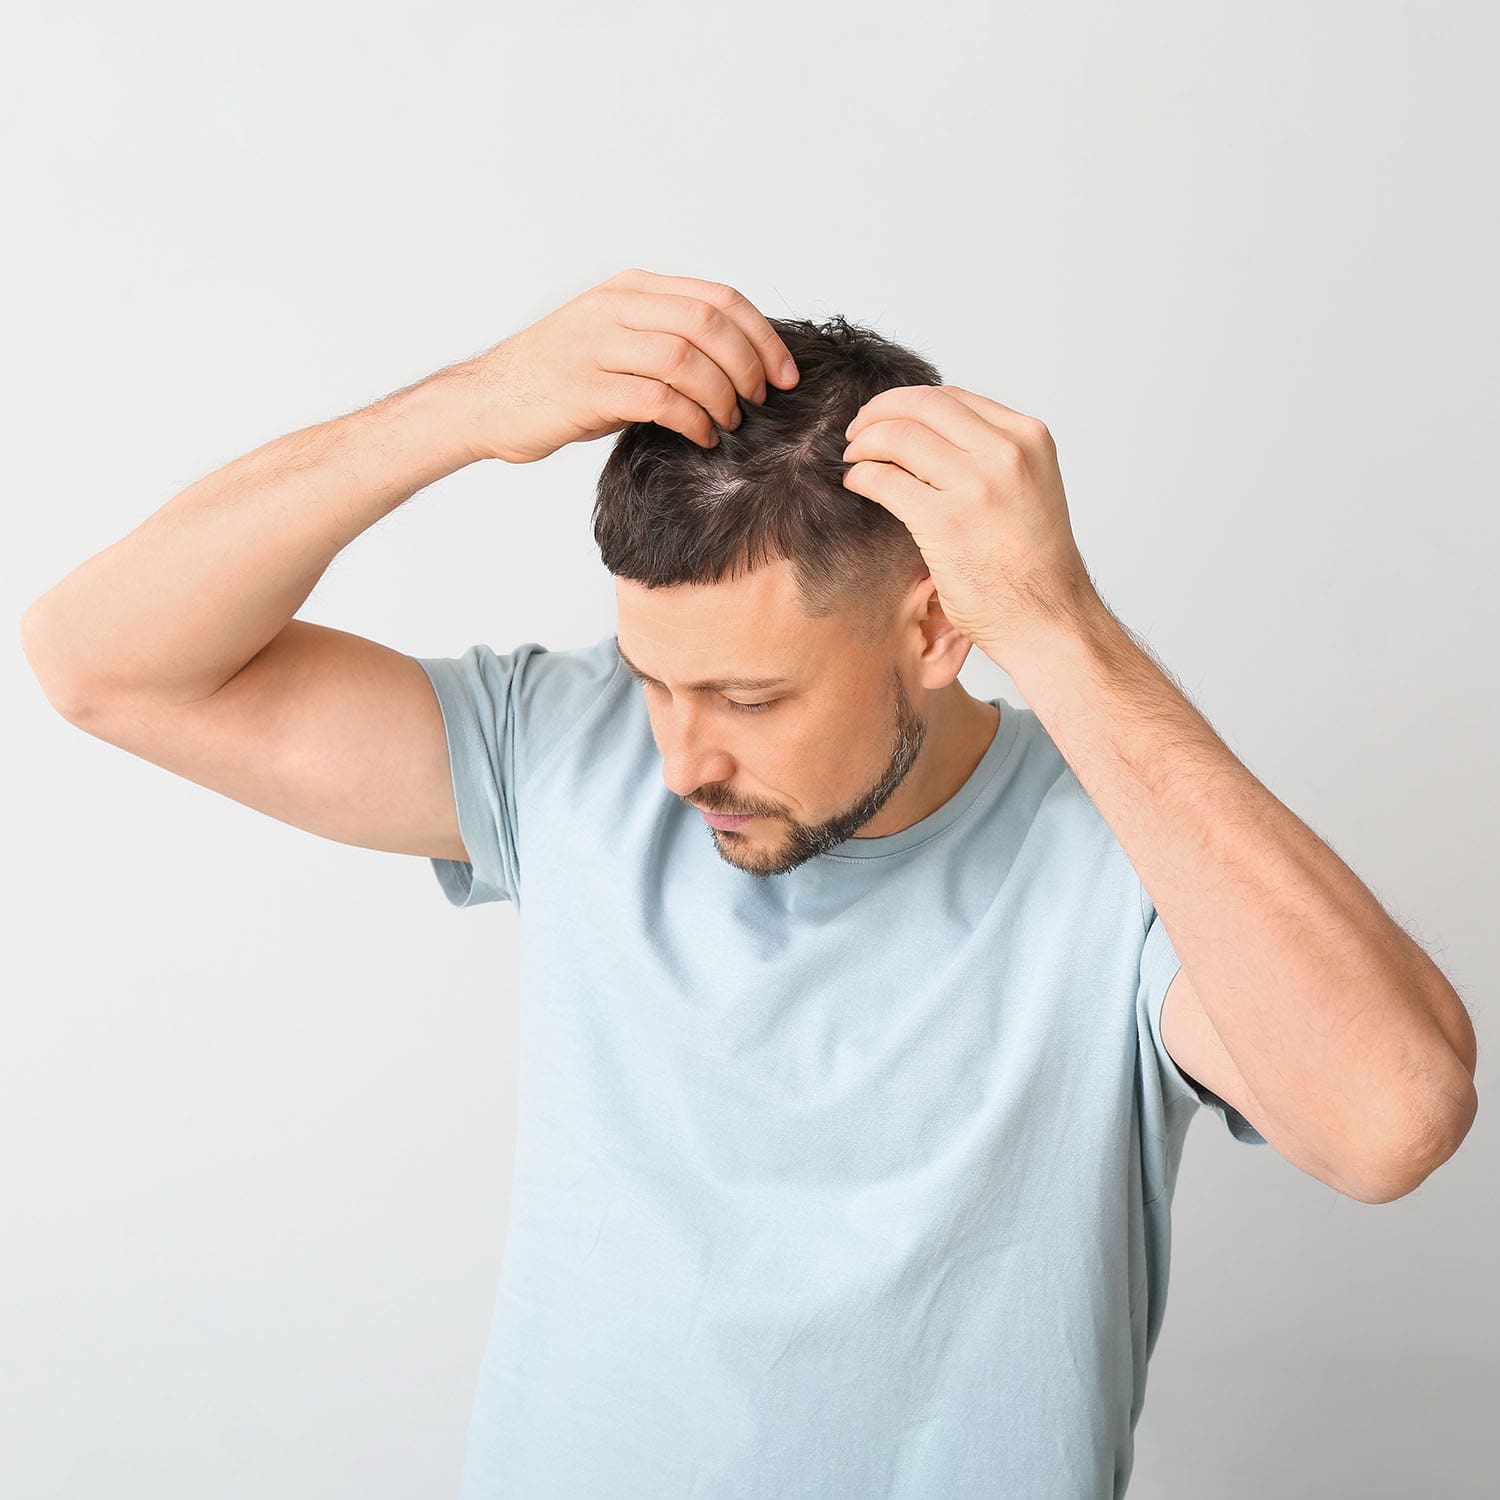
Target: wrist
{"type": "Point", "coordinates": [480, 400]}
{"type": "Point", "coordinates": [1046, 635]}
{"type": "Point", "coordinates": [449, 406]}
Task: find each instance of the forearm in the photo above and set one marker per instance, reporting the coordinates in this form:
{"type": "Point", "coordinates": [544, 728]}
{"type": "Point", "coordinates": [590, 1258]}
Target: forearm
{"type": "Point", "coordinates": [1345, 1030]}
{"type": "Point", "coordinates": [176, 607]}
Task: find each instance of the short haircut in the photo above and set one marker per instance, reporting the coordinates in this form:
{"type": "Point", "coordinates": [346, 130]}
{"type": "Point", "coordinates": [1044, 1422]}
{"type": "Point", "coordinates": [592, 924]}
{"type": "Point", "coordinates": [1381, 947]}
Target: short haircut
{"type": "Point", "coordinates": [669, 511]}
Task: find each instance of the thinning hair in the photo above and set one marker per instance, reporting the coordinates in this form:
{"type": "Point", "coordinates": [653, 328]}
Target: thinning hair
{"type": "Point", "coordinates": [669, 511]}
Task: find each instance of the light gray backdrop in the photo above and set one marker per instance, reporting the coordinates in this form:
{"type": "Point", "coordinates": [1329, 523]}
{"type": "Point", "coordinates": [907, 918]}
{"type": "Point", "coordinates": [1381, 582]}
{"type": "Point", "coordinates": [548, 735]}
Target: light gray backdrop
{"type": "Point", "coordinates": [257, 1088]}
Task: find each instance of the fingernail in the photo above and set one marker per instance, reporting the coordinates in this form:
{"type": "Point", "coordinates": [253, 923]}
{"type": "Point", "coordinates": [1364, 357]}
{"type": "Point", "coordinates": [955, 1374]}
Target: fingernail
{"type": "Point", "coordinates": [760, 393]}
{"type": "Point", "coordinates": [788, 372]}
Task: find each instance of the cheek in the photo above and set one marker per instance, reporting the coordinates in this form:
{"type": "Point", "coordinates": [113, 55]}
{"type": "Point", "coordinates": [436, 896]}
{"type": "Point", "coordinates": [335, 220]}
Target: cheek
{"type": "Point", "coordinates": [812, 759]}
{"type": "Point", "coordinates": [778, 758]}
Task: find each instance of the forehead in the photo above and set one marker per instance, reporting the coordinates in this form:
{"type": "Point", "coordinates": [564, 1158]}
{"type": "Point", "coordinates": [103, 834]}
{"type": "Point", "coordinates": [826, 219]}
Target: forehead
{"type": "Point", "coordinates": [749, 626]}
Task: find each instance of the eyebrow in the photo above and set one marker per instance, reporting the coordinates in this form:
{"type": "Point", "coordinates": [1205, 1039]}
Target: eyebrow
{"type": "Point", "coordinates": [712, 684]}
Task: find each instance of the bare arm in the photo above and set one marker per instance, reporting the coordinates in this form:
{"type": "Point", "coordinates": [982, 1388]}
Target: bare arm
{"type": "Point", "coordinates": [175, 608]}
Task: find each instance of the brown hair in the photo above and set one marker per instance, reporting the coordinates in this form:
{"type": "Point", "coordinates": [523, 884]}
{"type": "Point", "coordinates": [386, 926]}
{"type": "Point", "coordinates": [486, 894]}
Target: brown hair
{"type": "Point", "coordinates": [669, 511]}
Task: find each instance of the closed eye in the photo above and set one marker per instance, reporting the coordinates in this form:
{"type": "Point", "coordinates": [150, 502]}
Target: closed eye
{"type": "Point", "coordinates": [744, 708]}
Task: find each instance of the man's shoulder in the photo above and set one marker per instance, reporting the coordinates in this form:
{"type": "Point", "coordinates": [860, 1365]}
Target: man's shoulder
{"type": "Point", "coordinates": [556, 689]}
{"type": "Point", "coordinates": [527, 701]}
{"type": "Point", "coordinates": [572, 669]}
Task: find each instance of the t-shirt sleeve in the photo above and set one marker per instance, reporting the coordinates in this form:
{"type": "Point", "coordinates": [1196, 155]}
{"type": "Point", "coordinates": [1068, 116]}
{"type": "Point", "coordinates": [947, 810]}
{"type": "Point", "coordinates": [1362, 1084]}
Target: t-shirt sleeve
{"type": "Point", "coordinates": [507, 716]}
{"type": "Point", "coordinates": [1159, 964]}
{"type": "Point", "coordinates": [477, 695]}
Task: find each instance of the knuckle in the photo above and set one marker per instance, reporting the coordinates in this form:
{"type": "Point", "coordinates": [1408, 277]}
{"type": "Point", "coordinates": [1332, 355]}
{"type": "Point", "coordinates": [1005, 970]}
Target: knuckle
{"type": "Point", "coordinates": [703, 316]}
{"type": "Point", "coordinates": [1010, 455]}
{"type": "Point", "coordinates": [678, 351]}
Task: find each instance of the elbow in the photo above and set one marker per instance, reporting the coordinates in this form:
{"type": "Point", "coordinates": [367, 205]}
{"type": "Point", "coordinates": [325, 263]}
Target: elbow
{"type": "Point", "coordinates": [61, 689]}
{"type": "Point", "coordinates": [1446, 1120]}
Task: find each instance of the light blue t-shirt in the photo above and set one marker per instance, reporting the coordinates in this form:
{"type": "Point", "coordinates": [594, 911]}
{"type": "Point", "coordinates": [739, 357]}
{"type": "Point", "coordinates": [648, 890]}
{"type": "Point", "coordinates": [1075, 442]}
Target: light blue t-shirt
{"type": "Point", "coordinates": [851, 1183]}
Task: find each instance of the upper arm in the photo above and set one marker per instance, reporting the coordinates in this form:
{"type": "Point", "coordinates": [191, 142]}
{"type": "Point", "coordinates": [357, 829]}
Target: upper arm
{"type": "Point", "coordinates": [325, 730]}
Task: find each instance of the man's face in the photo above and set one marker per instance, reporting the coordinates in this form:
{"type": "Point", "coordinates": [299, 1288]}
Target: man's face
{"type": "Point", "coordinates": [836, 736]}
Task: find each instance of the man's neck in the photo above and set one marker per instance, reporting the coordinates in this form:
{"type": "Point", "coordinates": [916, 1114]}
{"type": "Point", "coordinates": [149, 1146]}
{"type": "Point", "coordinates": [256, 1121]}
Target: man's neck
{"type": "Point", "coordinates": [960, 728]}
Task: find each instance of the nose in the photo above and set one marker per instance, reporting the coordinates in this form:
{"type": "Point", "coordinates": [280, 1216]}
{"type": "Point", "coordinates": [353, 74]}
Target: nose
{"type": "Point", "coordinates": [689, 760]}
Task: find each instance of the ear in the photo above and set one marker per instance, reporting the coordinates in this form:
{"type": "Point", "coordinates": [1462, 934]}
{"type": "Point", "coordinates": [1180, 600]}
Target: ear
{"type": "Point", "coordinates": [945, 647]}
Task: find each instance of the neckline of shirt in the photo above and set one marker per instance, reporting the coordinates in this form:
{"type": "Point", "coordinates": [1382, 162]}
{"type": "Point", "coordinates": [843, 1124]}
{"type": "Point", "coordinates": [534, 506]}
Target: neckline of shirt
{"type": "Point", "coordinates": [949, 812]}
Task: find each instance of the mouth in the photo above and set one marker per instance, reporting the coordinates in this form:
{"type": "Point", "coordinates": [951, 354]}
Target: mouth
{"type": "Point", "coordinates": [725, 821]}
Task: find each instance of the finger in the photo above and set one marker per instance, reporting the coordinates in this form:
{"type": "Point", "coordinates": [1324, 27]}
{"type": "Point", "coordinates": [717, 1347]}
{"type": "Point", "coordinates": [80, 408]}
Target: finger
{"type": "Point", "coordinates": [706, 327]}
{"type": "Point", "coordinates": [777, 364]}
{"type": "Point", "coordinates": [1017, 425]}
{"type": "Point", "coordinates": [902, 493]}
{"type": "Point", "coordinates": [916, 447]}
{"type": "Point", "coordinates": [677, 361]}
{"type": "Point", "coordinates": [934, 406]}
{"type": "Point", "coordinates": [638, 398]}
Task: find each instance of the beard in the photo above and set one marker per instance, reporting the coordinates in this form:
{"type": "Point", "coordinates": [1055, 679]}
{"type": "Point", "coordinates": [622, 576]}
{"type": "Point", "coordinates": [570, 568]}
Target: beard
{"type": "Point", "coordinates": [802, 841]}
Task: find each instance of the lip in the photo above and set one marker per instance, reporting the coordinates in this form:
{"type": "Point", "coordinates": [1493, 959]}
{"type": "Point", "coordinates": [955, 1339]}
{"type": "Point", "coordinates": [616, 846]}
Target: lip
{"type": "Point", "coordinates": [725, 821]}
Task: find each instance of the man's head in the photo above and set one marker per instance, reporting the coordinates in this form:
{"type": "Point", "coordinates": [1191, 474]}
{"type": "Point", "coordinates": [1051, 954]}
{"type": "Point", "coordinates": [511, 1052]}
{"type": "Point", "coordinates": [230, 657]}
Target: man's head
{"type": "Point", "coordinates": [754, 560]}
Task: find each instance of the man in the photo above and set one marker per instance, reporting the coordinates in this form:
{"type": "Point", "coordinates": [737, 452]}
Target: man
{"type": "Point", "coordinates": [857, 1058]}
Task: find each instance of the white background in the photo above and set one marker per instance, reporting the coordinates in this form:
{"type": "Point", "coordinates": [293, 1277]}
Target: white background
{"type": "Point", "coordinates": [257, 1088]}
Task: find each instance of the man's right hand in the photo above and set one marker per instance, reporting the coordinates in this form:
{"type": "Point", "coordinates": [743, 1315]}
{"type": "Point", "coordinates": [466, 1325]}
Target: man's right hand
{"type": "Point", "coordinates": [636, 348]}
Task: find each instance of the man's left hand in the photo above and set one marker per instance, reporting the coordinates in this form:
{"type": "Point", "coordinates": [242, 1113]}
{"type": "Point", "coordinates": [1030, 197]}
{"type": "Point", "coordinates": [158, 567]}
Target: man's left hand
{"type": "Point", "coordinates": [978, 486]}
